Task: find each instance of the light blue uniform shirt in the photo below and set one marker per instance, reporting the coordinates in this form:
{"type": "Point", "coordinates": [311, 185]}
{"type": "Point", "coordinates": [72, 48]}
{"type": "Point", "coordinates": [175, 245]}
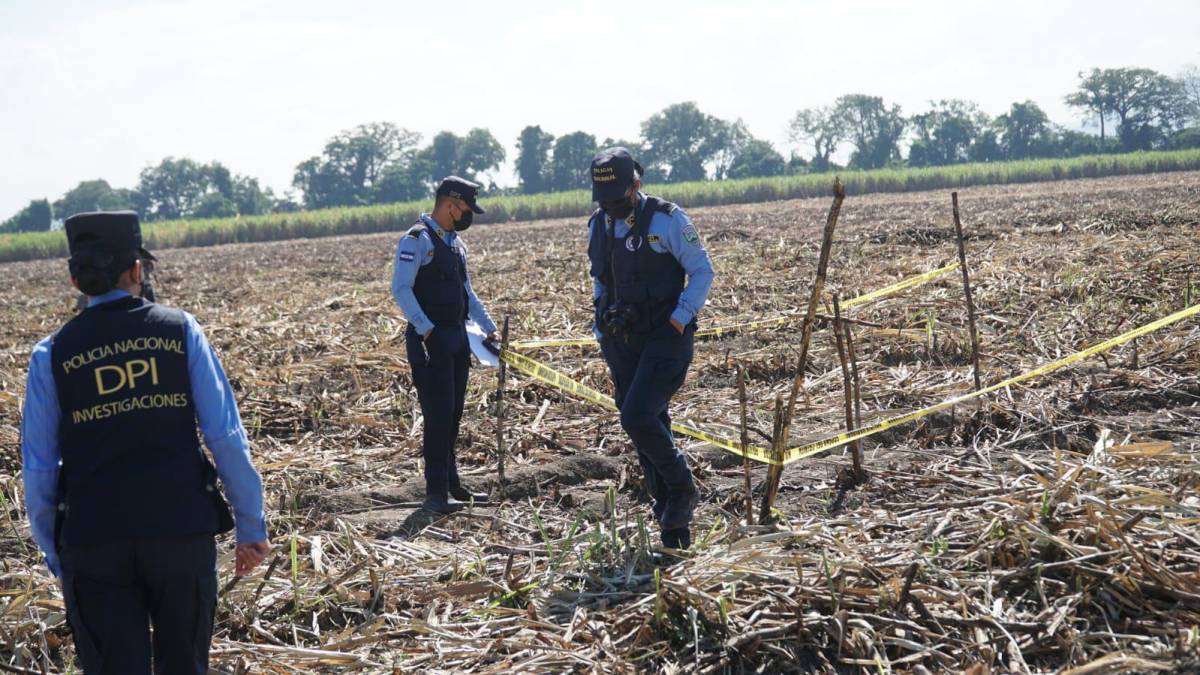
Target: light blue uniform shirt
{"type": "Point", "coordinates": [672, 233]}
{"type": "Point", "coordinates": [411, 255]}
{"type": "Point", "coordinates": [220, 425]}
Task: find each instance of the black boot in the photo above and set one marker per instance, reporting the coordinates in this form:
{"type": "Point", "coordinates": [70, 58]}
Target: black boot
{"type": "Point", "coordinates": [679, 537]}
{"type": "Point", "coordinates": [465, 495]}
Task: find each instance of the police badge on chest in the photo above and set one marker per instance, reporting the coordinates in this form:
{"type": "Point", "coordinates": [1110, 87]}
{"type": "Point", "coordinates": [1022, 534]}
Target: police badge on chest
{"type": "Point", "coordinates": [633, 242]}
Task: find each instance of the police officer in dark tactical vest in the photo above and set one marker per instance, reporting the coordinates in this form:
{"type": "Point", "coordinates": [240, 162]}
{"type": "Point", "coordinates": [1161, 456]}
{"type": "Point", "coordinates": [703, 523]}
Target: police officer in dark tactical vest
{"type": "Point", "coordinates": [651, 276]}
{"type": "Point", "coordinates": [431, 285]}
{"type": "Point", "coordinates": [122, 500]}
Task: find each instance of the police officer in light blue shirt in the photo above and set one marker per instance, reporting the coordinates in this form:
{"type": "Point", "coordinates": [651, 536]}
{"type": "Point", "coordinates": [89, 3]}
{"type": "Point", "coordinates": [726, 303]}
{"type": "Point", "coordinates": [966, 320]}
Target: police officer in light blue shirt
{"type": "Point", "coordinates": [651, 275]}
{"type": "Point", "coordinates": [431, 285]}
{"type": "Point", "coordinates": [121, 499]}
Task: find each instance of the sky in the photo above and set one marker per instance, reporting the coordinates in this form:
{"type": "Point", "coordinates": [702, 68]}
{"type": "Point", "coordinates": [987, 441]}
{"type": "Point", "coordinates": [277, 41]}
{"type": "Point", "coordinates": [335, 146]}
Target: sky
{"type": "Point", "coordinates": [103, 88]}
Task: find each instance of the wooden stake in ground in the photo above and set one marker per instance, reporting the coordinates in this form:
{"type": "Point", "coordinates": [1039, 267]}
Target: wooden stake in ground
{"type": "Point", "coordinates": [847, 386]}
{"type": "Point", "coordinates": [500, 450]}
{"type": "Point", "coordinates": [768, 502]}
{"type": "Point", "coordinates": [775, 472]}
{"type": "Point", "coordinates": [745, 444]}
{"type": "Point", "coordinates": [962, 264]}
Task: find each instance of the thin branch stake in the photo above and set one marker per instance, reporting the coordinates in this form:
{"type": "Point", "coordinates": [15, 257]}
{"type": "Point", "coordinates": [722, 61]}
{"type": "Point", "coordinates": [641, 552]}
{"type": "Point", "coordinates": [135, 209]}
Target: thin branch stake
{"type": "Point", "coordinates": [847, 386]}
{"type": "Point", "coordinates": [500, 410]}
{"type": "Point", "coordinates": [962, 264]}
{"type": "Point", "coordinates": [776, 470]}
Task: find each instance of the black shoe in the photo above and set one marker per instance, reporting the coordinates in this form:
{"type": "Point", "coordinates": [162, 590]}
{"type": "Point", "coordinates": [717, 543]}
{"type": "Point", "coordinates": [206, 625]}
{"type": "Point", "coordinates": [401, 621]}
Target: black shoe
{"type": "Point", "coordinates": [679, 537]}
{"type": "Point", "coordinates": [443, 505]}
{"type": "Point", "coordinates": [678, 513]}
{"type": "Point", "coordinates": [463, 494]}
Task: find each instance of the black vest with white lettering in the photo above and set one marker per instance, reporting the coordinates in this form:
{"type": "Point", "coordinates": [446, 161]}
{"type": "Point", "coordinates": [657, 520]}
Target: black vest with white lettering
{"type": "Point", "coordinates": [632, 272]}
{"type": "Point", "coordinates": [440, 287]}
{"type": "Point", "coordinates": [132, 466]}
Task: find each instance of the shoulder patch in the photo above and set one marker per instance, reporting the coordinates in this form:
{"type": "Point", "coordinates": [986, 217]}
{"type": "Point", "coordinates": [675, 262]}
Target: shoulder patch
{"type": "Point", "coordinates": [406, 256]}
{"type": "Point", "coordinates": [690, 235]}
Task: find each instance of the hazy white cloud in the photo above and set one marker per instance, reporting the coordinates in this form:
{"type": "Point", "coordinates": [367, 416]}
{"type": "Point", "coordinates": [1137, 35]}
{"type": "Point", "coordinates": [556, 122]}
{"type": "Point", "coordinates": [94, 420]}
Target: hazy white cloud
{"type": "Point", "coordinates": [103, 88]}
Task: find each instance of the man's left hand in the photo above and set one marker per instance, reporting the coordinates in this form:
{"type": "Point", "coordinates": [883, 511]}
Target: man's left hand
{"type": "Point", "coordinates": [677, 326]}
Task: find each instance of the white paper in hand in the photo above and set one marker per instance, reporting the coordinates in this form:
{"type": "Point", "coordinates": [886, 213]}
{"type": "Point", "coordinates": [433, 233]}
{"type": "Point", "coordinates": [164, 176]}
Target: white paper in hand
{"type": "Point", "coordinates": [476, 336]}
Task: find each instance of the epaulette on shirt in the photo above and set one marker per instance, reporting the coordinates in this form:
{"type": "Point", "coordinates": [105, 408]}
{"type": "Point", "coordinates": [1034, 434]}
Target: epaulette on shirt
{"type": "Point", "coordinates": [665, 206]}
{"type": "Point", "coordinates": [416, 230]}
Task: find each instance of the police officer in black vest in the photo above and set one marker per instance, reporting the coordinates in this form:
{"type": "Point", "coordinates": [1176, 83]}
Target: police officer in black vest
{"type": "Point", "coordinates": [642, 249]}
{"type": "Point", "coordinates": [431, 285]}
{"type": "Point", "coordinates": [122, 500]}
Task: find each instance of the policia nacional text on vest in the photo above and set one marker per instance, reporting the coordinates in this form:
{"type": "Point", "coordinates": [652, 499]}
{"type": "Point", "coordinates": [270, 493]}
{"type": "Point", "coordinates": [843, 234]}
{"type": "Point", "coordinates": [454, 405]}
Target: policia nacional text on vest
{"type": "Point", "coordinates": [132, 462]}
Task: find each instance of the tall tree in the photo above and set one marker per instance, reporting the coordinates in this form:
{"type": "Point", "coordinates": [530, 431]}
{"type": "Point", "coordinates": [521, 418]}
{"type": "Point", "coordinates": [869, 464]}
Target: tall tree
{"type": "Point", "coordinates": [533, 159]}
{"type": "Point", "coordinates": [945, 134]}
{"type": "Point", "coordinates": [874, 128]}
{"type": "Point", "coordinates": [680, 141]}
{"type": "Point", "coordinates": [823, 129]}
{"type": "Point", "coordinates": [1024, 131]}
{"type": "Point", "coordinates": [1148, 105]}
{"type": "Point", "coordinates": [97, 195]}
{"type": "Point", "coordinates": [478, 153]}
{"type": "Point", "coordinates": [406, 180]}
{"type": "Point", "coordinates": [757, 158]}
{"type": "Point", "coordinates": [1092, 97]}
{"type": "Point", "coordinates": [352, 162]}
{"type": "Point", "coordinates": [1189, 80]}
{"type": "Point", "coordinates": [442, 153]}
{"type": "Point", "coordinates": [35, 217]}
{"type": "Point", "coordinates": [249, 197]}
{"type": "Point", "coordinates": [726, 140]}
{"type": "Point", "coordinates": [174, 187]}
{"type": "Point", "coordinates": [571, 163]}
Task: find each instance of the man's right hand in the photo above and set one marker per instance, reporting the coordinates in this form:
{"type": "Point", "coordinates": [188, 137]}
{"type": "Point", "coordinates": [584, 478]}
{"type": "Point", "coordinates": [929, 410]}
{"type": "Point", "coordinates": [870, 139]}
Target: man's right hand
{"type": "Point", "coordinates": [250, 556]}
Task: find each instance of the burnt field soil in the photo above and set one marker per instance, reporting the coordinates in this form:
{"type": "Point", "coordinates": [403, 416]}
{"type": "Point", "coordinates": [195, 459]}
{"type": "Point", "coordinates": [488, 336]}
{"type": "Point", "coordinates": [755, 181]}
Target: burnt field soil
{"type": "Point", "coordinates": [1055, 526]}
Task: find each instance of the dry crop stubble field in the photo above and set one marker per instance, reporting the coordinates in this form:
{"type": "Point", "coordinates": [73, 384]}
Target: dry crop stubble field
{"type": "Point", "coordinates": [1053, 527]}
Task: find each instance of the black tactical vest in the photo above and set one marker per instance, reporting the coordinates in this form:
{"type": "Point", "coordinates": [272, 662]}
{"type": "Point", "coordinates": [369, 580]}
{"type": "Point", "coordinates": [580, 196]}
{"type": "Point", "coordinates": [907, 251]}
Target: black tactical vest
{"type": "Point", "coordinates": [440, 287]}
{"type": "Point", "coordinates": [632, 271]}
{"type": "Point", "coordinates": [132, 466]}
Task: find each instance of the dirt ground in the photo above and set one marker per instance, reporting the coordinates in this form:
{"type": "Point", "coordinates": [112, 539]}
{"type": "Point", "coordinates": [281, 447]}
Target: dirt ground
{"type": "Point", "coordinates": [1054, 526]}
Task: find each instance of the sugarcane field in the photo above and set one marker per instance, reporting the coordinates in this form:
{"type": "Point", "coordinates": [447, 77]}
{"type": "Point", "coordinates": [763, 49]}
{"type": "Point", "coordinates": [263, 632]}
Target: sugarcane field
{"type": "Point", "coordinates": [1048, 525]}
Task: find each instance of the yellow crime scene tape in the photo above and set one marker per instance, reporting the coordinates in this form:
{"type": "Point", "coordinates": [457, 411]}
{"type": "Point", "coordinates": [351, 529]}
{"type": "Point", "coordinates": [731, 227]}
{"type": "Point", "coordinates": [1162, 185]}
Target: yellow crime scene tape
{"type": "Point", "coordinates": [902, 285]}
{"type": "Point", "coordinates": [543, 373]}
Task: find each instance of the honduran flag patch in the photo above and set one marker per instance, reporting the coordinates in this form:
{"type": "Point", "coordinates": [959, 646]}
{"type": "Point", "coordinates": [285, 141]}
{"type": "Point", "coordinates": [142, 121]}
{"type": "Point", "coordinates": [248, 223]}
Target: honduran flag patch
{"type": "Point", "coordinates": [406, 256]}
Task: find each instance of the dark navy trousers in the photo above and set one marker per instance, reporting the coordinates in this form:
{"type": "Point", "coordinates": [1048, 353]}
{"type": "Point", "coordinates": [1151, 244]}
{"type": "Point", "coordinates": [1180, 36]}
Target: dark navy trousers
{"type": "Point", "coordinates": [116, 591]}
{"type": "Point", "coordinates": [440, 365]}
{"type": "Point", "coordinates": [646, 374]}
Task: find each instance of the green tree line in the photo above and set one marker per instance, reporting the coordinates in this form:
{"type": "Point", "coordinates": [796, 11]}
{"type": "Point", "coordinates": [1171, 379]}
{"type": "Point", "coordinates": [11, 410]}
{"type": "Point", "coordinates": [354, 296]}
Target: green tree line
{"type": "Point", "coordinates": [1132, 109]}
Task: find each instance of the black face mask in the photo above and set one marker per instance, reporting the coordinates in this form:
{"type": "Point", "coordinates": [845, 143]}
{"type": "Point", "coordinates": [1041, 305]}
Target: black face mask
{"type": "Point", "coordinates": [617, 209]}
{"type": "Point", "coordinates": [464, 221]}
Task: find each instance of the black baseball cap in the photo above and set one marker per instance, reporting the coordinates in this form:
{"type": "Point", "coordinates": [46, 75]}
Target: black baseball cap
{"type": "Point", "coordinates": [460, 188]}
{"type": "Point", "coordinates": [613, 172]}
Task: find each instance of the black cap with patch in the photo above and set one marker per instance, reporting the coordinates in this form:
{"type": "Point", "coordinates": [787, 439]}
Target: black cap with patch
{"type": "Point", "coordinates": [613, 173]}
{"type": "Point", "coordinates": [460, 188]}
